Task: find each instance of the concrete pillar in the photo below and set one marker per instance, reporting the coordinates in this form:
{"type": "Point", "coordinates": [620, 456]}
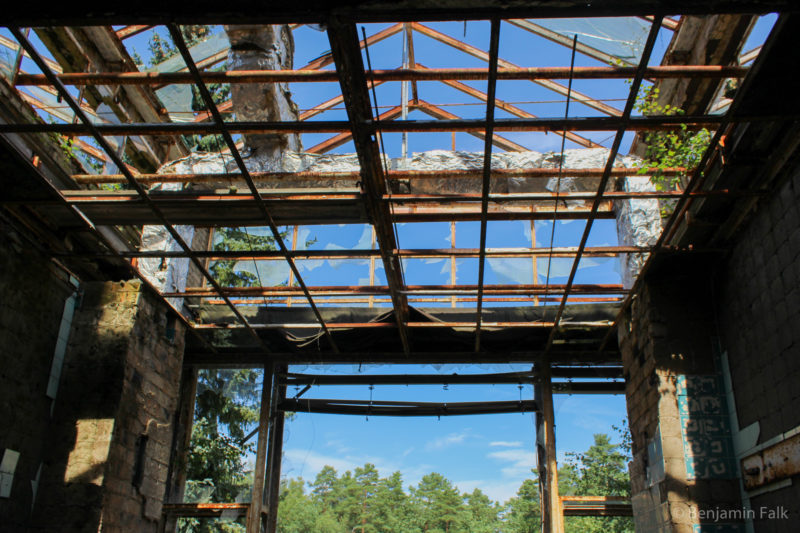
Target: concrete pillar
{"type": "Point", "coordinates": [106, 465]}
{"type": "Point", "coordinates": [683, 467]}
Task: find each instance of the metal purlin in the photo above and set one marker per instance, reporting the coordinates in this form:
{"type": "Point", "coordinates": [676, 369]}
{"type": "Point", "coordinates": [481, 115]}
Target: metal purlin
{"type": "Point", "coordinates": [34, 54]}
{"type": "Point", "coordinates": [180, 44]}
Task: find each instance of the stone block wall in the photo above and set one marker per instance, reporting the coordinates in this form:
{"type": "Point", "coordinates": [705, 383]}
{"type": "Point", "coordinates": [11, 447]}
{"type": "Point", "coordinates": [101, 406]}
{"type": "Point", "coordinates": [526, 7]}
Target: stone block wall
{"type": "Point", "coordinates": [32, 302]}
{"type": "Point", "coordinates": [115, 415]}
{"type": "Point", "coordinates": [93, 452]}
{"type": "Point", "coordinates": [759, 308]}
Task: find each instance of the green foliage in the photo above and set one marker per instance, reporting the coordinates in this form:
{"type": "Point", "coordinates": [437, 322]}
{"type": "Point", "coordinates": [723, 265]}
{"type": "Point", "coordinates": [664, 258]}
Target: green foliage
{"type": "Point", "coordinates": [523, 514]}
{"type": "Point", "coordinates": [161, 49]}
{"type": "Point", "coordinates": [363, 501]}
{"type": "Point", "coordinates": [600, 471]}
{"type": "Point", "coordinates": [237, 240]}
{"type": "Point", "coordinates": [669, 149]}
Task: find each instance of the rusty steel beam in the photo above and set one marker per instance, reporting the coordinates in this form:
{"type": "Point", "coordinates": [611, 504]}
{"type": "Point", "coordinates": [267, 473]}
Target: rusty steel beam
{"type": "Point", "coordinates": [345, 50]}
{"type": "Point", "coordinates": [601, 325]}
{"type": "Point", "coordinates": [497, 140]}
{"type": "Point", "coordinates": [315, 12]}
{"type": "Point", "coordinates": [338, 140]}
{"type": "Point", "coordinates": [666, 22]}
{"type": "Point", "coordinates": [227, 106]}
{"type": "Point", "coordinates": [774, 463]}
{"type": "Point", "coordinates": [612, 156]}
{"type": "Point", "coordinates": [263, 255]}
{"type": "Point", "coordinates": [339, 300]}
{"type": "Point", "coordinates": [336, 100]}
{"type": "Point", "coordinates": [547, 83]}
{"type": "Point", "coordinates": [412, 61]}
{"type": "Point", "coordinates": [539, 75]}
{"type": "Point", "coordinates": [379, 408]}
{"type": "Point", "coordinates": [327, 59]}
{"type": "Point", "coordinates": [645, 123]}
{"type": "Point", "coordinates": [486, 178]}
{"type": "Point", "coordinates": [11, 45]}
{"type": "Point", "coordinates": [205, 509]}
{"type": "Point", "coordinates": [497, 173]}
{"type": "Point", "coordinates": [514, 110]}
{"type": "Point", "coordinates": [130, 31]}
{"type": "Point", "coordinates": [219, 122]}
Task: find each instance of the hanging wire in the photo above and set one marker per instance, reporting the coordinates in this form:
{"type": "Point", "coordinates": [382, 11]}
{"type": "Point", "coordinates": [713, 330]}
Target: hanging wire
{"type": "Point", "coordinates": [560, 170]}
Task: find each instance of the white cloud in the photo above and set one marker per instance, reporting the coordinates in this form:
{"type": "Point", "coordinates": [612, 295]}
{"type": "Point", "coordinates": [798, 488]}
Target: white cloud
{"type": "Point", "coordinates": [512, 270]}
{"type": "Point", "coordinates": [507, 444]}
{"type": "Point", "coordinates": [497, 490]}
{"type": "Point", "coordinates": [305, 463]}
{"type": "Point", "coordinates": [448, 440]}
{"type": "Point", "coordinates": [519, 462]}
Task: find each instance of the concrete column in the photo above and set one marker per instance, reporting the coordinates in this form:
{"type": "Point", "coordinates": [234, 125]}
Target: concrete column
{"type": "Point", "coordinates": [683, 466]}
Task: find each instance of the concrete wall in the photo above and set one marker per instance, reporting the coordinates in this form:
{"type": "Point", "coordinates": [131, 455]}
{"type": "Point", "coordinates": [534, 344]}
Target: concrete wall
{"type": "Point", "coordinates": [104, 443]}
{"type": "Point", "coordinates": [759, 307]}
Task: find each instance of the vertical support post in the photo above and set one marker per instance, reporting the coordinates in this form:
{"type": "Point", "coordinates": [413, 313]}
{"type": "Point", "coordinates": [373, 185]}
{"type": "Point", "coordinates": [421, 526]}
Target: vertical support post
{"type": "Point", "coordinates": [181, 436]}
{"type": "Point", "coordinates": [453, 261]}
{"type": "Point", "coordinates": [552, 516]}
{"type": "Point", "coordinates": [259, 472]}
{"type": "Point", "coordinates": [275, 451]}
{"type": "Point", "coordinates": [289, 300]}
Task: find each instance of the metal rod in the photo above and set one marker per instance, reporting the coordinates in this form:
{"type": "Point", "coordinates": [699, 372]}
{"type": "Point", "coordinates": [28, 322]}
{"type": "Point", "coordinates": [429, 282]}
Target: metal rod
{"type": "Point", "coordinates": [560, 166]}
{"type": "Point", "coordinates": [612, 155]}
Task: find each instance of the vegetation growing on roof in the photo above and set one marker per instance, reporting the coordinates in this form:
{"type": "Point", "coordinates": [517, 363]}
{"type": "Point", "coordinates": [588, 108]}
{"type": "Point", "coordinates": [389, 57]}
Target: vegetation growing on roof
{"type": "Point", "coordinates": [680, 147]}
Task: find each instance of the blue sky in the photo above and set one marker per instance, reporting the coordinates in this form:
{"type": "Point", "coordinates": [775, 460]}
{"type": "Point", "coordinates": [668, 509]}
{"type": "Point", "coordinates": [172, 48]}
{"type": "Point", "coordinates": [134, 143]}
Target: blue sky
{"type": "Point", "coordinates": [492, 452]}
